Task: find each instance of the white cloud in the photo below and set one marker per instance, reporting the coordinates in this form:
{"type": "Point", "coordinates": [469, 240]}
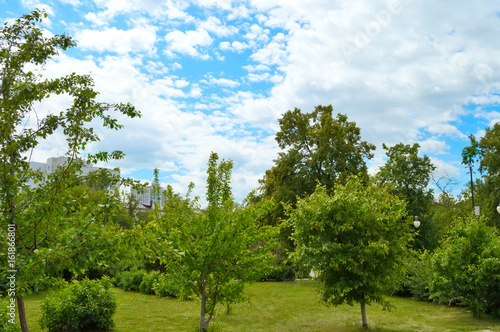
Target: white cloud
{"type": "Point", "coordinates": [139, 39]}
{"type": "Point", "coordinates": [223, 82]}
{"type": "Point", "coordinates": [188, 42]}
{"type": "Point", "coordinates": [433, 145]}
{"type": "Point", "coordinates": [274, 53]}
{"type": "Point", "coordinates": [171, 10]}
{"type": "Point", "coordinates": [235, 46]}
{"type": "Point", "coordinates": [214, 25]}
{"type": "Point", "coordinates": [253, 68]}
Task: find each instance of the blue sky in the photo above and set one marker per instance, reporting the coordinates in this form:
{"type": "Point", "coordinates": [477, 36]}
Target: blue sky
{"type": "Point", "coordinates": [217, 75]}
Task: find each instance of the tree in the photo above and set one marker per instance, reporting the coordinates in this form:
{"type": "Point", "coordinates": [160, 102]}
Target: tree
{"type": "Point", "coordinates": [34, 214]}
{"type": "Point", "coordinates": [319, 148]}
{"type": "Point", "coordinates": [214, 252]}
{"type": "Point", "coordinates": [466, 267]}
{"type": "Point", "coordinates": [356, 241]}
{"type": "Point", "coordinates": [410, 176]}
{"type": "Point", "coordinates": [486, 151]}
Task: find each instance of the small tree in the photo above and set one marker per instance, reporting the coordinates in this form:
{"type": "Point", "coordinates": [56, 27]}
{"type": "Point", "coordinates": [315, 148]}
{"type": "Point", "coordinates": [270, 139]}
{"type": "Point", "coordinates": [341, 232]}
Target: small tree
{"type": "Point", "coordinates": [355, 240]}
{"type": "Point", "coordinates": [215, 251]}
{"type": "Point", "coordinates": [45, 233]}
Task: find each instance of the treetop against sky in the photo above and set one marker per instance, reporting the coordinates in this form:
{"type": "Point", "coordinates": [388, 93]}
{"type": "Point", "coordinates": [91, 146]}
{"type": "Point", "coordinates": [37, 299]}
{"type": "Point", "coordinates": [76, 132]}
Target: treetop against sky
{"type": "Point", "coordinates": [217, 75]}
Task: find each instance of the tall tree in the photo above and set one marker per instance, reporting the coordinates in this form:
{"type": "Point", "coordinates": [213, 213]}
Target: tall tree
{"type": "Point", "coordinates": [354, 240]}
{"type": "Point", "coordinates": [213, 253]}
{"type": "Point", "coordinates": [318, 148]}
{"type": "Point", "coordinates": [486, 151]}
{"type": "Point", "coordinates": [24, 49]}
{"type": "Point", "coordinates": [410, 175]}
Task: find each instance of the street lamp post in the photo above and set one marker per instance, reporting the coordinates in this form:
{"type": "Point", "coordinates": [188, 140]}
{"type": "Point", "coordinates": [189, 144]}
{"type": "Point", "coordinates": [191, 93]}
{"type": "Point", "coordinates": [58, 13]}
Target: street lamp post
{"type": "Point", "coordinates": [417, 224]}
{"type": "Point", "coordinates": [495, 194]}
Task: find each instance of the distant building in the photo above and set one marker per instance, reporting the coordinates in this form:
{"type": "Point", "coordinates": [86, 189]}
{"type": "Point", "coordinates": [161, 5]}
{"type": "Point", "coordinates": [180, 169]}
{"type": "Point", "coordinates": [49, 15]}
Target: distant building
{"type": "Point", "coordinates": [148, 197]}
{"type": "Point", "coordinates": [51, 165]}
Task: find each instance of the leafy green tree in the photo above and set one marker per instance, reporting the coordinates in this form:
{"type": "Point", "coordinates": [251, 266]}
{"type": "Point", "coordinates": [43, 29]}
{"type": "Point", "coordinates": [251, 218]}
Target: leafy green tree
{"type": "Point", "coordinates": [319, 148]}
{"type": "Point", "coordinates": [355, 241]}
{"type": "Point", "coordinates": [44, 232]}
{"type": "Point", "coordinates": [410, 175]}
{"type": "Point", "coordinates": [213, 253]}
{"type": "Point", "coordinates": [466, 268]}
{"type": "Point", "coordinates": [486, 151]}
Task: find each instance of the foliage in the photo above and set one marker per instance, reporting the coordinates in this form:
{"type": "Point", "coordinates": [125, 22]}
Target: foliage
{"type": "Point", "coordinates": [168, 286]}
{"type": "Point", "coordinates": [420, 277]}
{"type": "Point", "coordinates": [5, 325]}
{"type": "Point", "coordinates": [410, 176]}
{"type": "Point", "coordinates": [356, 241]}
{"type": "Point", "coordinates": [129, 280]}
{"type": "Point", "coordinates": [212, 251]}
{"type": "Point", "coordinates": [486, 151]}
{"type": "Point", "coordinates": [84, 305]}
{"type": "Point", "coordinates": [44, 232]}
{"type": "Point", "coordinates": [319, 148]}
{"type": "Point", "coordinates": [148, 282]}
{"type": "Point", "coordinates": [466, 268]}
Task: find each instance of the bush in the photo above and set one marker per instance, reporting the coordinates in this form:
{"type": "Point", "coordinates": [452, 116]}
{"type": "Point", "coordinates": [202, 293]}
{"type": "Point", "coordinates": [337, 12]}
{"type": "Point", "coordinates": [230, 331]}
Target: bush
{"type": "Point", "coordinates": [165, 286]}
{"type": "Point", "coordinates": [281, 273]}
{"type": "Point", "coordinates": [129, 280]}
{"type": "Point", "coordinates": [88, 304]}
{"type": "Point", "coordinates": [466, 268]}
{"type": "Point", "coordinates": [5, 326]}
{"type": "Point", "coordinates": [420, 278]}
{"type": "Point", "coordinates": [148, 281]}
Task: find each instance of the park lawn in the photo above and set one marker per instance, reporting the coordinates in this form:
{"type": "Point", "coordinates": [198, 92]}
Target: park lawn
{"type": "Point", "coordinates": [280, 306]}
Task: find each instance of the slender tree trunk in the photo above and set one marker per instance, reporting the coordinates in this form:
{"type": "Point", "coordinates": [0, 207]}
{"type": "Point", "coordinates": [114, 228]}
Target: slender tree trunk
{"type": "Point", "coordinates": [363, 315]}
{"type": "Point", "coordinates": [22, 314]}
{"type": "Point", "coordinates": [203, 324]}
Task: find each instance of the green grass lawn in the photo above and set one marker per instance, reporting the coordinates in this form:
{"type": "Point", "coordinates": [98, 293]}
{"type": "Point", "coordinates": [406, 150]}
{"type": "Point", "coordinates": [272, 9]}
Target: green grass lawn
{"type": "Point", "coordinates": [281, 306]}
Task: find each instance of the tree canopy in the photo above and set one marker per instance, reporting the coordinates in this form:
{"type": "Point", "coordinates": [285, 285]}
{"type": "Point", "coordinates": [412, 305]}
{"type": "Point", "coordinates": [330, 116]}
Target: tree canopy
{"type": "Point", "coordinates": [486, 151]}
{"type": "Point", "coordinates": [318, 148]}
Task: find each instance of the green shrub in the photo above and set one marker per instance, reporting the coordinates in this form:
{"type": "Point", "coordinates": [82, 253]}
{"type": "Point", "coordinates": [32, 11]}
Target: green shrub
{"type": "Point", "coordinates": [129, 280]}
{"type": "Point", "coordinates": [84, 305]}
{"type": "Point", "coordinates": [148, 281]}
{"type": "Point", "coordinates": [165, 286]}
{"type": "Point", "coordinates": [466, 268]}
{"type": "Point", "coordinates": [5, 326]}
{"type": "Point", "coordinates": [281, 273]}
{"type": "Point", "coordinates": [420, 278]}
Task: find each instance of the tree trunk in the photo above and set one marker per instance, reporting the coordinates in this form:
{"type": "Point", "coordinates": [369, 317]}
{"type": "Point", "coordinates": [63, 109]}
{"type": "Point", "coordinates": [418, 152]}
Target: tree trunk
{"type": "Point", "coordinates": [22, 314]}
{"type": "Point", "coordinates": [203, 323]}
{"type": "Point", "coordinates": [363, 315]}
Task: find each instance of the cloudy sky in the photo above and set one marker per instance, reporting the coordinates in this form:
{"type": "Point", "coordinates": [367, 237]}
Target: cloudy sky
{"type": "Point", "coordinates": [213, 75]}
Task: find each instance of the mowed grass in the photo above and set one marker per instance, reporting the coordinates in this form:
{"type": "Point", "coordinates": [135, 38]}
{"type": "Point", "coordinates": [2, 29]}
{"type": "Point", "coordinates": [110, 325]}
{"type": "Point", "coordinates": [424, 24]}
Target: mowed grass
{"type": "Point", "coordinates": [281, 306]}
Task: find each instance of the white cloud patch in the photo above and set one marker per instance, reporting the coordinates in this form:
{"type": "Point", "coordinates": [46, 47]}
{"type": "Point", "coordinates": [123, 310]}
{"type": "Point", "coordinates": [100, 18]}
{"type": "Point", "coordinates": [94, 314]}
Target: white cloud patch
{"type": "Point", "coordinates": [139, 39]}
{"type": "Point", "coordinates": [188, 43]}
{"type": "Point", "coordinates": [433, 145]}
{"type": "Point", "coordinates": [215, 26]}
{"type": "Point", "coordinates": [235, 46]}
{"type": "Point", "coordinates": [223, 82]}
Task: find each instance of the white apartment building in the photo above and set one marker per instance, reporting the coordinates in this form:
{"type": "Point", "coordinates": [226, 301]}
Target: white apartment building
{"type": "Point", "coordinates": [51, 165]}
{"type": "Point", "coordinates": [147, 197]}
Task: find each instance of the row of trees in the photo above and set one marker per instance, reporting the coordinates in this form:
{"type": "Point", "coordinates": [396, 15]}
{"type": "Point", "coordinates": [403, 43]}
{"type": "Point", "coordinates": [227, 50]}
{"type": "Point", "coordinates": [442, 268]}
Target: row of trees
{"type": "Point", "coordinates": [316, 205]}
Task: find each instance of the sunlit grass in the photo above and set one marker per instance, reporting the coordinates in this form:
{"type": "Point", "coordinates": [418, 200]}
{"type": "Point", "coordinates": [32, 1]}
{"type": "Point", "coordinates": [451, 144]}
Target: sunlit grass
{"type": "Point", "coordinates": [281, 306]}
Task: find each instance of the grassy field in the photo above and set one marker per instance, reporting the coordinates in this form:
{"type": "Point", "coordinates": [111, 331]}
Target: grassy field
{"type": "Point", "coordinates": [284, 306]}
